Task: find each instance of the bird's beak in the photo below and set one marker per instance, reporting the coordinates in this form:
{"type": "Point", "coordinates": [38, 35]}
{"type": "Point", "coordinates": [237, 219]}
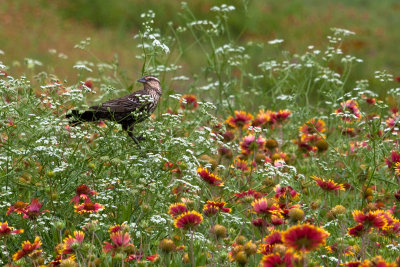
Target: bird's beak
{"type": "Point", "coordinates": [141, 80]}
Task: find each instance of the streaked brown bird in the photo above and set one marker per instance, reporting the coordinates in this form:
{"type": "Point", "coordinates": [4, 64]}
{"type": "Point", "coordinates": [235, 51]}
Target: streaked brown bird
{"type": "Point", "coordinates": [127, 110]}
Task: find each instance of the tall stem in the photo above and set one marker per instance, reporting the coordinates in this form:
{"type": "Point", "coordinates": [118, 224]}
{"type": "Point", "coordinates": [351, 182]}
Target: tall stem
{"type": "Point", "coordinates": [191, 248]}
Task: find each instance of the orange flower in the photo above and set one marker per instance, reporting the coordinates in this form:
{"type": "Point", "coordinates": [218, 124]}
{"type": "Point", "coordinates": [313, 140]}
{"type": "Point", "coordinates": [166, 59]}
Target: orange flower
{"type": "Point", "coordinates": [304, 237]}
{"type": "Point", "coordinates": [241, 120]}
{"type": "Point", "coordinates": [352, 264]}
{"type": "Point", "coordinates": [263, 118]}
{"type": "Point", "coordinates": [327, 185]}
{"type": "Point", "coordinates": [18, 207]}
{"type": "Point", "coordinates": [210, 178]}
{"type": "Point", "coordinates": [357, 230]}
{"type": "Point", "coordinates": [371, 219]}
{"type": "Point", "coordinates": [188, 220]}
{"type": "Point", "coordinates": [377, 261]}
{"type": "Point", "coordinates": [312, 127]}
{"type": "Point", "coordinates": [28, 249]}
{"type": "Point", "coordinates": [275, 260]}
{"type": "Point", "coordinates": [88, 207]}
{"type": "Point", "coordinates": [188, 102]}
{"type": "Point", "coordinates": [397, 168]}
{"type": "Point", "coordinates": [69, 242]}
{"type": "Point", "coordinates": [281, 115]}
{"type": "Point", "coordinates": [117, 227]}
{"type": "Point", "coordinates": [241, 165]}
{"type": "Point", "coordinates": [177, 209]}
{"type": "Point", "coordinates": [5, 230]}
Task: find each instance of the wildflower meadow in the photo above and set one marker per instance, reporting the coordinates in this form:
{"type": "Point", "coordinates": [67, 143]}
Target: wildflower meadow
{"type": "Point", "coordinates": [249, 161]}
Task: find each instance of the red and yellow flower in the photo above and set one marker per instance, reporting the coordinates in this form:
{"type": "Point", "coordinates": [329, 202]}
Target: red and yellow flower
{"type": "Point", "coordinates": [6, 230]}
{"type": "Point", "coordinates": [188, 102]}
{"type": "Point", "coordinates": [313, 126]}
{"type": "Point", "coordinates": [83, 192]}
{"type": "Point", "coordinates": [120, 240]}
{"type": "Point", "coordinates": [188, 220]}
{"type": "Point", "coordinates": [349, 111]}
{"type": "Point", "coordinates": [371, 219]}
{"type": "Point", "coordinates": [88, 207]}
{"type": "Point", "coordinates": [266, 207]}
{"type": "Point", "coordinates": [29, 250]}
{"type": "Point", "coordinates": [33, 210]}
{"type": "Point", "coordinates": [305, 237]}
{"type": "Point", "coordinates": [263, 119]}
{"type": "Point", "coordinates": [213, 207]}
{"type": "Point", "coordinates": [250, 144]}
{"type": "Point", "coordinates": [18, 207]}
{"type": "Point", "coordinates": [210, 178]}
{"type": "Point", "coordinates": [241, 120]}
{"type": "Point", "coordinates": [177, 209]}
{"type": "Point", "coordinates": [70, 242]}
{"type": "Point", "coordinates": [329, 185]}
{"type": "Point", "coordinates": [275, 260]}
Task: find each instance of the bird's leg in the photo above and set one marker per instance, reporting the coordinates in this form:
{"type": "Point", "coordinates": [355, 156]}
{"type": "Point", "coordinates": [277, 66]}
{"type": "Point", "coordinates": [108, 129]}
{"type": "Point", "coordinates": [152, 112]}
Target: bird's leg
{"type": "Point", "coordinates": [141, 137]}
{"type": "Point", "coordinates": [129, 129]}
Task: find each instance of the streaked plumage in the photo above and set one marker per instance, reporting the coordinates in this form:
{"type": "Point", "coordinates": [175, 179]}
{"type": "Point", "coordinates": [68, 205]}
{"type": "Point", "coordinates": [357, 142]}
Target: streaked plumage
{"type": "Point", "coordinates": [127, 110]}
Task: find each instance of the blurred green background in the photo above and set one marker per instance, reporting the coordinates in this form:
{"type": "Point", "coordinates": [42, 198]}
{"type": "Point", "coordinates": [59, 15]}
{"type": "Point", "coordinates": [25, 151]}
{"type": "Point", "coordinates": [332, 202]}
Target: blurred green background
{"type": "Point", "coordinates": [30, 28]}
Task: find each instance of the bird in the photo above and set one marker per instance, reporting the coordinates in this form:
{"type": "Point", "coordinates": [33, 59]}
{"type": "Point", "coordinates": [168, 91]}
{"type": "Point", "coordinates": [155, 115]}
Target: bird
{"type": "Point", "coordinates": [127, 110]}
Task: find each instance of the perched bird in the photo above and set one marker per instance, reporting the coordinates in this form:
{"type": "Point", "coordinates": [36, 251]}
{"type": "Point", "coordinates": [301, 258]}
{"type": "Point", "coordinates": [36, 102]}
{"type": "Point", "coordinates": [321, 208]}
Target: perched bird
{"type": "Point", "coordinates": [127, 110]}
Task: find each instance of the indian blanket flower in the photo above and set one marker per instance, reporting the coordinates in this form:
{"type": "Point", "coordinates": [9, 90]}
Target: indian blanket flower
{"type": "Point", "coordinates": [248, 195]}
{"type": "Point", "coordinates": [266, 207]}
{"type": "Point", "coordinates": [250, 143]}
{"type": "Point", "coordinates": [263, 119]}
{"type": "Point", "coordinates": [277, 260]}
{"type": "Point", "coordinates": [313, 126]}
{"type": "Point", "coordinates": [33, 210]}
{"type": "Point", "coordinates": [83, 192]}
{"type": "Point", "coordinates": [352, 264]}
{"type": "Point", "coordinates": [281, 116]}
{"type": "Point", "coordinates": [213, 207]}
{"type": "Point", "coordinates": [241, 120]}
{"type": "Point", "coordinates": [378, 261]}
{"type": "Point", "coordinates": [329, 185]}
{"type": "Point", "coordinates": [88, 207]}
{"type": "Point", "coordinates": [349, 111]}
{"type": "Point", "coordinates": [18, 207]}
{"type": "Point", "coordinates": [210, 178]}
{"type": "Point", "coordinates": [6, 230]}
{"type": "Point", "coordinates": [392, 230]}
{"type": "Point", "coordinates": [188, 220]}
{"type": "Point", "coordinates": [397, 168]}
{"type": "Point", "coordinates": [394, 158]}
{"type": "Point", "coordinates": [29, 249]}
{"type": "Point", "coordinates": [358, 230]}
{"type": "Point", "coordinates": [177, 209]}
{"type": "Point", "coordinates": [285, 191]}
{"type": "Point", "coordinates": [305, 237]}
{"type": "Point", "coordinates": [70, 242]}
{"type": "Point", "coordinates": [371, 219]}
{"type": "Point", "coordinates": [241, 165]}
{"type": "Point", "coordinates": [188, 102]}
{"type": "Point", "coordinates": [120, 241]}
{"type": "Point", "coordinates": [393, 121]}
{"type": "Point", "coordinates": [118, 227]}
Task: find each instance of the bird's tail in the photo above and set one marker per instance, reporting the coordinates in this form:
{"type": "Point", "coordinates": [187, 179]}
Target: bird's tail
{"type": "Point", "coordinates": [76, 117]}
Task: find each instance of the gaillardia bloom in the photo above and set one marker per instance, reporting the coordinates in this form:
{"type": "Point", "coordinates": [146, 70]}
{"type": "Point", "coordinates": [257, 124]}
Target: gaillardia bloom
{"type": "Point", "coordinates": [281, 115]}
{"type": "Point", "coordinates": [304, 237]}
{"type": "Point", "coordinates": [28, 249]}
{"type": "Point", "coordinates": [250, 144]}
{"type": "Point", "coordinates": [210, 178]}
{"type": "Point", "coordinates": [33, 210]}
{"type": "Point", "coordinates": [188, 102]}
{"type": "Point", "coordinates": [177, 209]}
{"type": "Point", "coordinates": [6, 230]}
{"type": "Point", "coordinates": [241, 120]}
{"type": "Point", "coordinates": [70, 242]}
{"type": "Point", "coordinates": [328, 185]}
{"type": "Point", "coordinates": [120, 241]}
{"type": "Point", "coordinates": [349, 111]}
{"type": "Point", "coordinates": [266, 206]}
{"type": "Point", "coordinates": [18, 207]}
{"type": "Point", "coordinates": [118, 227]}
{"type": "Point", "coordinates": [188, 220]}
{"type": "Point", "coordinates": [88, 207]}
{"type": "Point", "coordinates": [212, 207]}
{"type": "Point", "coordinates": [371, 219]}
{"type": "Point", "coordinates": [312, 127]}
{"type": "Point", "coordinates": [394, 158]}
{"type": "Point", "coordinates": [277, 260]}
{"type": "Point", "coordinates": [263, 118]}
{"type": "Point", "coordinates": [83, 192]}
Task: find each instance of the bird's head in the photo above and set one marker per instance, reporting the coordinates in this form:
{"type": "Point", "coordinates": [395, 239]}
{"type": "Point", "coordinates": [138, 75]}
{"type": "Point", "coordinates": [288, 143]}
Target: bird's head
{"type": "Point", "coordinates": [151, 83]}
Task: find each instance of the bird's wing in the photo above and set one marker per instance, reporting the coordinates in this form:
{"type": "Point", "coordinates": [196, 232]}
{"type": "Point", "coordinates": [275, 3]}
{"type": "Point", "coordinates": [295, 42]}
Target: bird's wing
{"type": "Point", "coordinates": [129, 103]}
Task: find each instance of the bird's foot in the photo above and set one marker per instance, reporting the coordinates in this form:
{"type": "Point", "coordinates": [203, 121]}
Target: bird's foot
{"type": "Point", "coordinates": [140, 137]}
